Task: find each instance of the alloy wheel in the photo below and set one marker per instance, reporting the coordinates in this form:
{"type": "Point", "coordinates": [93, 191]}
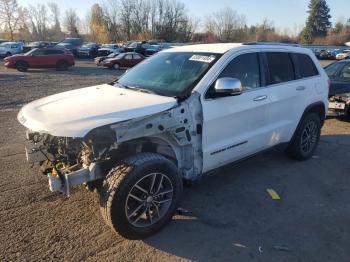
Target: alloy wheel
{"type": "Point", "coordinates": [149, 200]}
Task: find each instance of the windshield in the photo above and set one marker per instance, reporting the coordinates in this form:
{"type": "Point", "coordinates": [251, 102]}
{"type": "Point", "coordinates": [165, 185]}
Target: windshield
{"type": "Point", "coordinates": [73, 41]}
{"type": "Point", "coordinates": [108, 46]}
{"type": "Point", "coordinates": [31, 51]}
{"type": "Point", "coordinates": [111, 55]}
{"type": "Point", "coordinates": [87, 45]}
{"type": "Point", "coordinates": [169, 73]}
{"type": "Point", "coordinates": [64, 45]}
{"type": "Point", "coordinates": [333, 69]}
{"type": "Point", "coordinates": [34, 44]}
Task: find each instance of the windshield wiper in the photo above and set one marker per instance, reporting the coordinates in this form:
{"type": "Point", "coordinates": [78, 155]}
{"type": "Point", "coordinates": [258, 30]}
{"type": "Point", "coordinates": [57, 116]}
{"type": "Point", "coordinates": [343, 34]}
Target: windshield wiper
{"type": "Point", "coordinates": [139, 89]}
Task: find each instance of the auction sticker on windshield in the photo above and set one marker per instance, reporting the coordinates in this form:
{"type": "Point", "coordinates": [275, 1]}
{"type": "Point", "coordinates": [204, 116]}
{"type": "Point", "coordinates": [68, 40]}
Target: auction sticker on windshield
{"type": "Point", "coordinates": [202, 58]}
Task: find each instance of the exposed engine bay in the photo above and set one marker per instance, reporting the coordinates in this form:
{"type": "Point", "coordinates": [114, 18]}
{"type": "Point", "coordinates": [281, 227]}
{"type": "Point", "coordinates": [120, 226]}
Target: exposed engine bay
{"type": "Point", "coordinates": [67, 161]}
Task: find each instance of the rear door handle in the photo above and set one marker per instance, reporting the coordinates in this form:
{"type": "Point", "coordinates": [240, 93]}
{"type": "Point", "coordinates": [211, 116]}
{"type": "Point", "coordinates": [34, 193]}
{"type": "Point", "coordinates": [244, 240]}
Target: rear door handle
{"type": "Point", "coordinates": [260, 98]}
{"type": "Point", "coordinates": [301, 88]}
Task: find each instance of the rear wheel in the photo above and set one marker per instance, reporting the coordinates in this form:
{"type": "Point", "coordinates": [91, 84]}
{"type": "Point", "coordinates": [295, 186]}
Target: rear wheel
{"type": "Point", "coordinates": [305, 141]}
{"type": "Point", "coordinates": [21, 66]}
{"type": "Point", "coordinates": [62, 65]}
{"type": "Point", "coordinates": [139, 196]}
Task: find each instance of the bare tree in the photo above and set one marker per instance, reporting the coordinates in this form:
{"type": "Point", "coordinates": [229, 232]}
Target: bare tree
{"type": "Point", "coordinates": [71, 23]}
{"type": "Point", "coordinates": [10, 14]}
{"type": "Point", "coordinates": [112, 21]}
{"type": "Point", "coordinates": [227, 24]}
{"type": "Point", "coordinates": [39, 21]}
{"type": "Point", "coordinates": [55, 29]}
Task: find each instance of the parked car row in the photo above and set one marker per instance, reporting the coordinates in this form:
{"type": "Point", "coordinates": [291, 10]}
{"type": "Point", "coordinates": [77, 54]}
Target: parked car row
{"type": "Point", "coordinates": [331, 54]}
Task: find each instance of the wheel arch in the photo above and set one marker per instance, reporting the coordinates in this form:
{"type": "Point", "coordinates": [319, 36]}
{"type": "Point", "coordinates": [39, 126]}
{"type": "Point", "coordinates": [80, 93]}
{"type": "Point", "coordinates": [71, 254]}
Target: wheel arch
{"type": "Point", "coordinates": [317, 107]}
{"type": "Point", "coordinates": [161, 145]}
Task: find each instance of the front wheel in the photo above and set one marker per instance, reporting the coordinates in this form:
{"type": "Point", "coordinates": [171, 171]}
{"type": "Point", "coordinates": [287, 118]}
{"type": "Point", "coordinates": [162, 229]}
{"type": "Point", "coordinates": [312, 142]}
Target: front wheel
{"type": "Point", "coordinates": [140, 195]}
{"type": "Point", "coordinates": [21, 66]}
{"type": "Point", "coordinates": [306, 138]}
{"type": "Point", "coordinates": [116, 66]}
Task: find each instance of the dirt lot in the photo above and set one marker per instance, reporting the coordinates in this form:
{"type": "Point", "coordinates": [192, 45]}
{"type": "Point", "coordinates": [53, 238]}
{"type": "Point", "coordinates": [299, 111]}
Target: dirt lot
{"type": "Point", "coordinates": [229, 216]}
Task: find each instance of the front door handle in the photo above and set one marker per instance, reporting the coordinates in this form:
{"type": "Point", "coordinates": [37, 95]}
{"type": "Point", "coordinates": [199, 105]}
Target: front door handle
{"type": "Point", "coordinates": [260, 98]}
{"type": "Point", "coordinates": [301, 88]}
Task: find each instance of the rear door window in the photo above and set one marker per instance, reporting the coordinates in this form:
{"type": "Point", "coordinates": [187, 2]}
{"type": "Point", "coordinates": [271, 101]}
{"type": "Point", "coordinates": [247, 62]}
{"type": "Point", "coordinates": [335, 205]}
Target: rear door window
{"type": "Point", "coordinates": [280, 66]}
{"type": "Point", "coordinates": [305, 65]}
{"type": "Point", "coordinates": [128, 57]}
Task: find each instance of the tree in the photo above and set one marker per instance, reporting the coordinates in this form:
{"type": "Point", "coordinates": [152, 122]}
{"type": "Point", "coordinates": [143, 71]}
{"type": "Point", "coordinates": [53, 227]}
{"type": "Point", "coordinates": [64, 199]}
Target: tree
{"type": "Point", "coordinates": [226, 24]}
{"type": "Point", "coordinates": [97, 25]}
{"type": "Point", "coordinates": [55, 29]}
{"type": "Point", "coordinates": [10, 14]}
{"type": "Point", "coordinates": [318, 22]}
{"type": "Point", "coordinates": [71, 23]}
{"type": "Point", "coordinates": [39, 21]}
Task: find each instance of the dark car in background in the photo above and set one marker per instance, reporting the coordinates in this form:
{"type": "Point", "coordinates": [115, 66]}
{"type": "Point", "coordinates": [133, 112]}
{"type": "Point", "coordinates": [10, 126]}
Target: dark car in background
{"type": "Point", "coordinates": [98, 60]}
{"type": "Point", "coordinates": [3, 41]}
{"type": "Point", "coordinates": [72, 44]}
{"type": "Point", "coordinates": [124, 60]}
{"type": "Point", "coordinates": [339, 91]}
{"type": "Point", "coordinates": [88, 50]}
{"type": "Point", "coordinates": [37, 44]}
{"type": "Point", "coordinates": [60, 59]}
{"type": "Point", "coordinates": [156, 48]}
{"type": "Point", "coordinates": [138, 47]}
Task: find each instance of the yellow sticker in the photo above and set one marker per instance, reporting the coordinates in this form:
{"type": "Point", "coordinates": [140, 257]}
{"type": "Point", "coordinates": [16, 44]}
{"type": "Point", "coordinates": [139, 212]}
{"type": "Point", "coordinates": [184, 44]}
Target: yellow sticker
{"type": "Point", "coordinates": [273, 194]}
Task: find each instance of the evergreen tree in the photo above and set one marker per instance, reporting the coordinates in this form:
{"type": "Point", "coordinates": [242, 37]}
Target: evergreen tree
{"type": "Point", "coordinates": [318, 23]}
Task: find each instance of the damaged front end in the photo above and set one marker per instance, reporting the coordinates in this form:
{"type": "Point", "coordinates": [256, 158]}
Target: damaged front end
{"type": "Point", "coordinates": [69, 161]}
{"type": "Point", "coordinates": [340, 104]}
{"type": "Point", "coordinates": [175, 133]}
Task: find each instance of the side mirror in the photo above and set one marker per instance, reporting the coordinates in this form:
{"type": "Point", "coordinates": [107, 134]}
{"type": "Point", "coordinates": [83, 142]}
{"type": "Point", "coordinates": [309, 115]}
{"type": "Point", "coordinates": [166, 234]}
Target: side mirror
{"type": "Point", "coordinates": [229, 86]}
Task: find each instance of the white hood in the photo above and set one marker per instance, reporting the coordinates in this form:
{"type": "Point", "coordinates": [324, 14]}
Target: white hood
{"type": "Point", "coordinates": [75, 113]}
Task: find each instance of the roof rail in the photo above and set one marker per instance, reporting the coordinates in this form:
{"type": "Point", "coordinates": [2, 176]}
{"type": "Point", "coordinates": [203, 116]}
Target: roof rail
{"type": "Point", "coordinates": [271, 43]}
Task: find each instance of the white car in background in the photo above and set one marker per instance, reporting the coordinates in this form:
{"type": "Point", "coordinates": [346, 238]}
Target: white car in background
{"type": "Point", "coordinates": [11, 48]}
{"type": "Point", "coordinates": [107, 49]}
{"type": "Point", "coordinates": [343, 55]}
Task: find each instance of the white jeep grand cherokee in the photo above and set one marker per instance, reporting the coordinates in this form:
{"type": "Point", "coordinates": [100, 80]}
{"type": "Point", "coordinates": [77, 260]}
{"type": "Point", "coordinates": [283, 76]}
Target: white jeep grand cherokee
{"type": "Point", "coordinates": [173, 118]}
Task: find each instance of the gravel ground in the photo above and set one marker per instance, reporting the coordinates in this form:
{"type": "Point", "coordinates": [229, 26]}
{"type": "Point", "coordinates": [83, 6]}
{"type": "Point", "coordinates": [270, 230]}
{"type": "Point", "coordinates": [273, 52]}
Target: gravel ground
{"type": "Point", "coordinates": [226, 217]}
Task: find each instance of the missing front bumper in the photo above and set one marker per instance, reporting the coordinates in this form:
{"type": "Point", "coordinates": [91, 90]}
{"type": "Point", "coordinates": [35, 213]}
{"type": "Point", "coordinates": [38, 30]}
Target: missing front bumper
{"type": "Point", "coordinates": [65, 183]}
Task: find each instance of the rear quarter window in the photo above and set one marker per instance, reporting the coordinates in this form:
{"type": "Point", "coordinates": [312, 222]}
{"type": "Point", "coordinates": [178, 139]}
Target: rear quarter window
{"type": "Point", "coordinates": [305, 65]}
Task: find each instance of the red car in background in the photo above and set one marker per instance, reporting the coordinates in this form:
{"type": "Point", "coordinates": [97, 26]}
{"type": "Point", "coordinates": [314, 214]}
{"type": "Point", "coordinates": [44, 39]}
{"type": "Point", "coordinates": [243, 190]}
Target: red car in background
{"type": "Point", "coordinates": [129, 59]}
{"type": "Point", "coordinates": [41, 58]}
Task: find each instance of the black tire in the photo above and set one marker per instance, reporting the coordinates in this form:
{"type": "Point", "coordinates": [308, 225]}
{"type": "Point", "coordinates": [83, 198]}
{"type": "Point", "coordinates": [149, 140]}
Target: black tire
{"type": "Point", "coordinates": [8, 54]}
{"type": "Point", "coordinates": [302, 148]}
{"type": "Point", "coordinates": [120, 183]}
{"type": "Point", "coordinates": [62, 65]}
{"type": "Point", "coordinates": [21, 66]}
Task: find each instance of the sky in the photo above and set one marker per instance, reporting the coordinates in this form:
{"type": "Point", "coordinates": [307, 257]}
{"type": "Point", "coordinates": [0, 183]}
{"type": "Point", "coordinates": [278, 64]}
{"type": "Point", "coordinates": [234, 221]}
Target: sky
{"type": "Point", "coordinates": [283, 13]}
